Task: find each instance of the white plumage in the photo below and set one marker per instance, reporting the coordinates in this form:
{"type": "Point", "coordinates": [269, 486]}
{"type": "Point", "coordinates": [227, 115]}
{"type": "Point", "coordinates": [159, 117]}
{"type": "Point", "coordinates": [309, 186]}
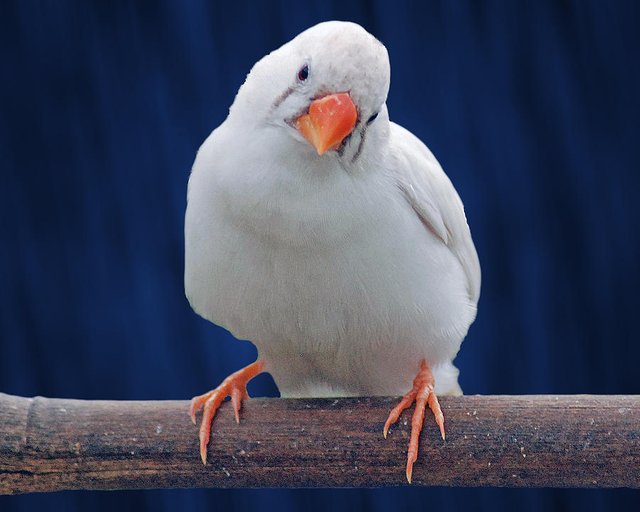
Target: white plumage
{"type": "Point", "coordinates": [344, 269]}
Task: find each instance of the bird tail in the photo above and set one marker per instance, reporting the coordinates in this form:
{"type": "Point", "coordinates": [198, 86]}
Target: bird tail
{"type": "Point", "coordinates": [446, 377]}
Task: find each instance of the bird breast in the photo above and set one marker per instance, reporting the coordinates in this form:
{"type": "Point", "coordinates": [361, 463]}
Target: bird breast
{"type": "Point", "coordinates": [332, 268]}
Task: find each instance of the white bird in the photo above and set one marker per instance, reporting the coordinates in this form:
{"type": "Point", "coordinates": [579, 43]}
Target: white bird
{"type": "Point", "coordinates": [329, 236]}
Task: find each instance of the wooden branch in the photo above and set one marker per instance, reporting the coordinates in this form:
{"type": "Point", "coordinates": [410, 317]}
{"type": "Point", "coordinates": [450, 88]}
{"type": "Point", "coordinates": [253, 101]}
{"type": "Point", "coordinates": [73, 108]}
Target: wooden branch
{"type": "Point", "coordinates": [514, 441]}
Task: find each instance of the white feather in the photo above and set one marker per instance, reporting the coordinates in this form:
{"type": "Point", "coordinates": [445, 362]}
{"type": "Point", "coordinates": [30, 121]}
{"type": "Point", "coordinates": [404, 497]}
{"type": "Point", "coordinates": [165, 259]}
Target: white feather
{"type": "Point", "coordinates": [345, 270]}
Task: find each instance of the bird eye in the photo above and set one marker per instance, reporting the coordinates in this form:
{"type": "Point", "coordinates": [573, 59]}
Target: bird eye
{"type": "Point", "coordinates": [372, 118]}
{"type": "Point", "coordinates": [303, 74]}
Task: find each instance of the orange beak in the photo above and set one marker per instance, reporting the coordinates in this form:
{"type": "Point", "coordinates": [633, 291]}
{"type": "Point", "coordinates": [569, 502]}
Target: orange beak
{"type": "Point", "coordinates": [329, 121]}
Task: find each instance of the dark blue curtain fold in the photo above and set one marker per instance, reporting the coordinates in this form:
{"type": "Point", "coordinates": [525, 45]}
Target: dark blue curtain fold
{"type": "Point", "coordinates": [533, 109]}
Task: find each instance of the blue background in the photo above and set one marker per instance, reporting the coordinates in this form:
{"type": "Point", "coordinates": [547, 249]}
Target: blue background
{"type": "Point", "coordinates": [532, 108]}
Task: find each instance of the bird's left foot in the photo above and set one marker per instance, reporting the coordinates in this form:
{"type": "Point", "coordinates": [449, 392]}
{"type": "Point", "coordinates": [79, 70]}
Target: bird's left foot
{"type": "Point", "coordinates": [422, 394]}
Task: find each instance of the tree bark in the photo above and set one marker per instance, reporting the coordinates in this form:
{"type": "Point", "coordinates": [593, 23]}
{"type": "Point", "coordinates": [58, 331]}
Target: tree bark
{"type": "Point", "coordinates": [507, 441]}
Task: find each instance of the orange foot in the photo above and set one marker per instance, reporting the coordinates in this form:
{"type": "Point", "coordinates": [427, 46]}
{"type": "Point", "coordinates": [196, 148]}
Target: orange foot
{"type": "Point", "coordinates": [235, 386]}
{"type": "Point", "coordinates": [422, 393]}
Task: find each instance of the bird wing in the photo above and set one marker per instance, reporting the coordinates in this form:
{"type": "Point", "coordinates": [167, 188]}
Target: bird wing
{"type": "Point", "coordinates": [434, 199]}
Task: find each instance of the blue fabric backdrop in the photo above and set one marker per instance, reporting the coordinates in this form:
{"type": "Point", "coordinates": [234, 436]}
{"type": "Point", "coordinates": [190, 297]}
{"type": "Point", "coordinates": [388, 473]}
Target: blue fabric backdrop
{"type": "Point", "coordinates": [532, 108]}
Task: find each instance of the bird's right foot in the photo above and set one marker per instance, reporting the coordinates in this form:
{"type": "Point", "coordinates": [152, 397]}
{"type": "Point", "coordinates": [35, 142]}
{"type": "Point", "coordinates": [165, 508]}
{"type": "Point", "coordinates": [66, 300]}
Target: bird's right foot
{"type": "Point", "coordinates": [235, 386]}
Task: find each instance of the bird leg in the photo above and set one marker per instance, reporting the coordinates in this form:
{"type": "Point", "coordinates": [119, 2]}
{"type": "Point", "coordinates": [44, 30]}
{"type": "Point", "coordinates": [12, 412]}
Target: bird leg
{"type": "Point", "coordinates": [235, 386]}
{"type": "Point", "coordinates": [423, 394]}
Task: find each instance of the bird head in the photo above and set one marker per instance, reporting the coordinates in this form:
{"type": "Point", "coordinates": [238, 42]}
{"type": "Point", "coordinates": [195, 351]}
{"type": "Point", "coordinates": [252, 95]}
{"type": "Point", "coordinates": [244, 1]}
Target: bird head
{"type": "Point", "coordinates": [323, 92]}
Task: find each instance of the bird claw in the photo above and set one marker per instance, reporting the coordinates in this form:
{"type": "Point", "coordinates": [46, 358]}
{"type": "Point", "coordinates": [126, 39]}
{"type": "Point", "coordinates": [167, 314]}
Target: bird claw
{"type": "Point", "coordinates": [235, 386]}
{"type": "Point", "coordinates": [422, 394]}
